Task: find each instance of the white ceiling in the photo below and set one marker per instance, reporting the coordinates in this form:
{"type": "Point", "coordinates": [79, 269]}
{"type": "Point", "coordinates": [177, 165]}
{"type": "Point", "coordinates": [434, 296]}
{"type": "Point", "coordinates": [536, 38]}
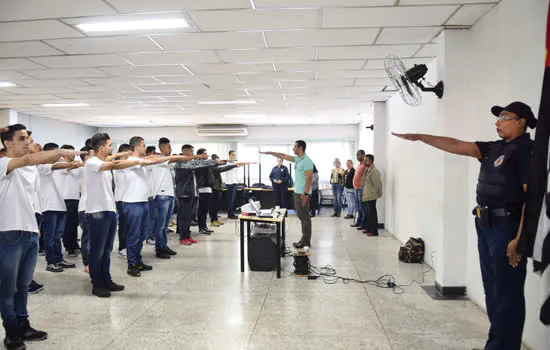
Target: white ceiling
{"type": "Point", "coordinates": [302, 61]}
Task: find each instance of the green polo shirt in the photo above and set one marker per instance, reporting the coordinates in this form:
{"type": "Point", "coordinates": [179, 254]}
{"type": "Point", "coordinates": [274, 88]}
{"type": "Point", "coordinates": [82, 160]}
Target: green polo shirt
{"type": "Point", "coordinates": [303, 164]}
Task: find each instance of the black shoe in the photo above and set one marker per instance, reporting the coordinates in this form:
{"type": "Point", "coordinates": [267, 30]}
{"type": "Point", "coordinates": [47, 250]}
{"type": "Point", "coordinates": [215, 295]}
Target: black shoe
{"type": "Point", "coordinates": [356, 225]}
{"type": "Point", "coordinates": [144, 267]}
{"type": "Point", "coordinates": [206, 231]}
{"type": "Point", "coordinates": [54, 268]}
{"type": "Point", "coordinates": [101, 292]}
{"type": "Point", "coordinates": [359, 228]}
{"type": "Point", "coordinates": [170, 230]}
{"type": "Point", "coordinates": [298, 245]}
{"type": "Point", "coordinates": [41, 252]}
{"type": "Point", "coordinates": [334, 215]}
{"type": "Point", "coordinates": [348, 217]}
{"type": "Point", "coordinates": [66, 265]}
{"type": "Point", "coordinates": [35, 287]}
{"type": "Point", "coordinates": [72, 253]}
{"type": "Point", "coordinates": [161, 254]}
{"type": "Point", "coordinates": [30, 334]}
{"type": "Point", "coordinates": [233, 217]}
{"type": "Point", "coordinates": [194, 223]}
{"type": "Point", "coordinates": [170, 251]}
{"type": "Point", "coordinates": [113, 287]}
{"type": "Point", "coordinates": [133, 270]}
{"type": "Point", "coordinates": [14, 342]}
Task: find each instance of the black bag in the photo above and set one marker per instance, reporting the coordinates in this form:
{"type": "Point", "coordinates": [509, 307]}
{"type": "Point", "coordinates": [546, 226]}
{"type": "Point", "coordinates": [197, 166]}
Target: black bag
{"type": "Point", "coordinates": [413, 251]}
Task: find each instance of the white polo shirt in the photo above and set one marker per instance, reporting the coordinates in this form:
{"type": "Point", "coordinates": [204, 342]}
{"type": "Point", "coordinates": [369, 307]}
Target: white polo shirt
{"type": "Point", "coordinates": [49, 194]}
{"type": "Point", "coordinates": [82, 189]}
{"type": "Point", "coordinates": [71, 190]}
{"type": "Point", "coordinates": [99, 185]}
{"type": "Point", "coordinates": [119, 176]}
{"type": "Point", "coordinates": [16, 191]}
{"type": "Point", "coordinates": [231, 177]}
{"type": "Point", "coordinates": [163, 184]}
{"type": "Point", "coordinates": [136, 188]}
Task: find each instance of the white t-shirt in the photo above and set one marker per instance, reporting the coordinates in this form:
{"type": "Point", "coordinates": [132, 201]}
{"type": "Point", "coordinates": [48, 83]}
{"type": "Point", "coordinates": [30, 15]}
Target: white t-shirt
{"type": "Point", "coordinates": [119, 184]}
{"type": "Point", "coordinates": [82, 189]}
{"type": "Point", "coordinates": [16, 191]}
{"type": "Point", "coordinates": [150, 186]}
{"type": "Point", "coordinates": [136, 189]}
{"type": "Point", "coordinates": [99, 187]}
{"type": "Point", "coordinates": [163, 184]}
{"type": "Point", "coordinates": [49, 194]}
{"type": "Point", "coordinates": [72, 184]}
{"type": "Point", "coordinates": [231, 177]}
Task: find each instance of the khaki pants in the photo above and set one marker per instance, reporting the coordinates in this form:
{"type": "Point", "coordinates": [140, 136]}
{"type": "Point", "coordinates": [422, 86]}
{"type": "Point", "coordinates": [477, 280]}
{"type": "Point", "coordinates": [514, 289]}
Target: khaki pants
{"type": "Point", "coordinates": [303, 214]}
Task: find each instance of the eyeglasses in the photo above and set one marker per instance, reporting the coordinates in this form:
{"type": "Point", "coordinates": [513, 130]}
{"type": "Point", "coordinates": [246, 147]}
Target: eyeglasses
{"type": "Point", "coordinates": [504, 118]}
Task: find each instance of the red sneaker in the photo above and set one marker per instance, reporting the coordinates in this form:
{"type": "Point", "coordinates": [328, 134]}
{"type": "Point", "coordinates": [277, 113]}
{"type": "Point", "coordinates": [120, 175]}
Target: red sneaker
{"type": "Point", "coordinates": [372, 234]}
{"type": "Point", "coordinates": [190, 239]}
{"type": "Point", "coordinates": [185, 241]}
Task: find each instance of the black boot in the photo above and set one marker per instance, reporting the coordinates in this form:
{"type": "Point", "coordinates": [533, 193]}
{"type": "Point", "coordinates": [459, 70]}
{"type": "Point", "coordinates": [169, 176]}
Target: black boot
{"type": "Point", "coordinates": [30, 334]}
{"type": "Point", "coordinates": [13, 340]}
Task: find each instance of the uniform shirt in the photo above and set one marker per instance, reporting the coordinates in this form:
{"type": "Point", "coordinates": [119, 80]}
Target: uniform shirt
{"type": "Point", "coordinates": [505, 168]}
{"type": "Point", "coordinates": [99, 185]}
{"type": "Point", "coordinates": [303, 164]}
{"type": "Point", "coordinates": [163, 184]}
{"type": "Point", "coordinates": [136, 187]}
{"type": "Point", "coordinates": [71, 189]}
{"type": "Point", "coordinates": [280, 174]}
{"type": "Point", "coordinates": [82, 189]}
{"type": "Point", "coordinates": [49, 193]}
{"type": "Point", "coordinates": [119, 176]}
{"type": "Point", "coordinates": [16, 192]}
{"type": "Point", "coordinates": [231, 177]}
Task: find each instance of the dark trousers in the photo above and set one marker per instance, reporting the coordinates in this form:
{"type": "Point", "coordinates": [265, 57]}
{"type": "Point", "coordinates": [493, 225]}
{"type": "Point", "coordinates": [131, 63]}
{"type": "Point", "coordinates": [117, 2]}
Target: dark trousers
{"type": "Point", "coordinates": [360, 208]}
{"type": "Point", "coordinates": [41, 238]}
{"type": "Point", "coordinates": [281, 195]}
{"type": "Point", "coordinates": [85, 239]}
{"type": "Point", "coordinates": [231, 195]}
{"type": "Point", "coordinates": [303, 214]}
{"type": "Point", "coordinates": [18, 255]}
{"type": "Point", "coordinates": [503, 284]}
{"type": "Point", "coordinates": [314, 201]}
{"type": "Point", "coordinates": [53, 225]}
{"type": "Point", "coordinates": [122, 231]}
{"type": "Point", "coordinates": [204, 205]}
{"type": "Point", "coordinates": [70, 236]}
{"type": "Point", "coordinates": [151, 220]}
{"type": "Point", "coordinates": [184, 216]}
{"type": "Point", "coordinates": [163, 207]}
{"type": "Point", "coordinates": [370, 218]}
{"type": "Point", "coordinates": [136, 215]}
{"type": "Point", "coordinates": [102, 230]}
{"type": "Point", "coordinates": [215, 205]}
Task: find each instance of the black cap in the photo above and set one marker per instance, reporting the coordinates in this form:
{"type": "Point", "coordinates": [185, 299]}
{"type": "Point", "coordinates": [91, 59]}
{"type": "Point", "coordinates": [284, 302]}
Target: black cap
{"type": "Point", "coordinates": [214, 156]}
{"type": "Point", "coordinates": [519, 108]}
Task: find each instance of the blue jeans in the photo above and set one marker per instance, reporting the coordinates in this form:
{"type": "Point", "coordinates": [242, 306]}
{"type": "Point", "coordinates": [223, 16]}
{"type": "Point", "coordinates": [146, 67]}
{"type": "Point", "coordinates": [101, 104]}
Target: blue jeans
{"type": "Point", "coordinates": [70, 235]}
{"type": "Point", "coordinates": [102, 231]}
{"type": "Point", "coordinates": [18, 255]}
{"type": "Point", "coordinates": [53, 227]}
{"type": "Point", "coordinates": [85, 239]}
{"type": "Point", "coordinates": [231, 195]}
{"type": "Point", "coordinates": [122, 234]}
{"type": "Point", "coordinates": [350, 199]}
{"type": "Point", "coordinates": [151, 220]}
{"type": "Point", "coordinates": [503, 284]}
{"type": "Point", "coordinates": [360, 209]}
{"type": "Point", "coordinates": [136, 215]}
{"type": "Point", "coordinates": [163, 207]}
{"type": "Point", "coordinates": [337, 191]}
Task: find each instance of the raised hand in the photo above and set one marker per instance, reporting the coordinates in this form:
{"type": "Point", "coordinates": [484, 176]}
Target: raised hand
{"type": "Point", "coordinates": [70, 153]}
{"type": "Point", "coordinates": [408, 137]}
{"type": "Point", "coordinates": [3, 129]}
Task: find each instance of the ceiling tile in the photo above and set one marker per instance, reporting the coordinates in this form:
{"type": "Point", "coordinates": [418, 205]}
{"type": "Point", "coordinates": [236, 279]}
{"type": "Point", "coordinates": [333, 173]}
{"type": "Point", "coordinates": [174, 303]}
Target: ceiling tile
{"type": "Point", "coordinates": [181, 57]}
{"type": "Point", "coordinates": [89, 95]}
{"type": "Point", "coordinates": [38, 91]}
{"type": "Point", "coordinates": [179, 79]}
{"type": "Point", "coordinates": [9, 76]}
{"type": "Point", "coordinates": [65, 73]}
{"type": "Point", "coordinates": [322, 37]}
{"type": "Point", "coordinates": [319, 66]}
{"type": "Point", "coordinates": [412, 35]}
{"type": "Point", "coordinates": [409, 62]}
{"type": "Point", "coordinates": [413, 16]}
{"type": "Point", "coordinates": [371, 82]}
{"type": "Point", "coordinates": [429, 50]}
{"type": "Point", "coordinates": [131, 6]}
{"type": "Point", "coordinates": [468, 15]}
{"type": "Point", "coordinates": [30, 98]}
{"type": "Point", "coordinates": [228, 68]}
{"type": "Point", "coordinates": [442, 2]}
{"type": "Point", "coordinates": [279, 76]}
{"type": "Point", "coordinates": [351, 74]}
{"type": "Point", "coordinates": [365, 52]}
{"type": "Point", "coordinates": [78, 61]}
{"type": "Point", "coordinates": [317, 83]}
{"type": "Point", "coordinates": [321, 3]}
{"type": "Point", "coordinates": [103, 88]}
{"type": "Point", "coordinates": [18, 10]}
{"type": "Point", "coordinates": [149, 94]}
{"type": "Point", "coordinates": [18, 63]}
{"type": "Point", "coordinates": [268, 55]}
{"type": "Point", "coordinates": [166, 87]}
{"type": "Point", "coordinates": [136, 71]}
{"type": "Point", "coordinates": [36, 30]}
{"type": "Point", "coordinates": [121, 81]}
{"type": "Point", "coordinates": [27, 49]}
{"type": "Point", "coordinates": [113, 44]}
{"type": "Point", "coordinates": [50, 82]}
{"type": "Point", "coordinates": [255, 19]}
{"type": "Point", "coordinates": [210, 41]}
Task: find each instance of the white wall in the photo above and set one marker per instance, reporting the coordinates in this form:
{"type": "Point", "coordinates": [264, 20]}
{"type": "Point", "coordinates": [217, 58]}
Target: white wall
{"type": "Point", "coordinates": [504, 63]}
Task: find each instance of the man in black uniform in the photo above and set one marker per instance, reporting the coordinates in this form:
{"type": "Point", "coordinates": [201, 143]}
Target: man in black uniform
{"type": "Point", "coordinates": [501, 189]}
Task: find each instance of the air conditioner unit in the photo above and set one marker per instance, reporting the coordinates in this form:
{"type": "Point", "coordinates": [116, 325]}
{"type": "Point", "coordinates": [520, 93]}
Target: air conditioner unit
{"type": "Point", "coordinates": [221, 130]}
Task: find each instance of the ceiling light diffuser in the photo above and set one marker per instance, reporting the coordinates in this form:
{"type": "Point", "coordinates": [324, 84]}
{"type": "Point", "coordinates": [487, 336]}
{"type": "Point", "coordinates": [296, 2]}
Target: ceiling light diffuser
{"type": "Point", "coordinates": [121, 26]}
{"type": "Point", "coordinates": [4, 84]}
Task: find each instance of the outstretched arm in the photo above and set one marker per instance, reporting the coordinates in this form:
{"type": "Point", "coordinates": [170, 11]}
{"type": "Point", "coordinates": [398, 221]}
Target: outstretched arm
{"type": "Point", "coordinates": [446, 144]}
{"type": "Point", "coordinates": [117, 155]}
{"type": "Point", "coordinates": [180, 159]}
{"type": "Point", "coordinates": [46, 157]}
{"type": "Point", "coordinates": [279, 155]}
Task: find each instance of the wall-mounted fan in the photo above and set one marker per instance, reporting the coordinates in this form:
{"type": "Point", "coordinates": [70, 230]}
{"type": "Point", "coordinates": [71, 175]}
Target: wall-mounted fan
{"type": "Point", "coordinates": [409, 82]}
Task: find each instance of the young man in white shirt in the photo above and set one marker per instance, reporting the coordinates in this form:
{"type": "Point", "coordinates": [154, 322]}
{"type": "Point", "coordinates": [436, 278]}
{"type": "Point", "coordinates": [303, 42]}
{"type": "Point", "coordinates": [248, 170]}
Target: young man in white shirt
{"type": "Point", "coordinates": [71, 195]}
{"type": "Point", "coordinates": [231, 184]}
{"type": "Point", "coordinates": [54, 213]}
{"type": "Point", "coordinates": [118, 176]}
{"type": "Point", "coordinates": [18, 233]}
{"type": "Point", "coordinates": [83, 222]}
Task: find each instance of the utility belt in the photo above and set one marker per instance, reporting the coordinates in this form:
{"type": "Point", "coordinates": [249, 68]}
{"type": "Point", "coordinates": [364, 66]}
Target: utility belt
{"type": "Point", "coordinates": [485, 214]}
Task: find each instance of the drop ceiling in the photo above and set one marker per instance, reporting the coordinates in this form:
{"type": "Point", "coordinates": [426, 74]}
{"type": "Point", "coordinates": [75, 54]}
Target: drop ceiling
{"type": "Point", "coordinates": [300, 61]}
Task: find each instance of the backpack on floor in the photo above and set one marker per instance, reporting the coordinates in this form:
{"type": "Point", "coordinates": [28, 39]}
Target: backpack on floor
{"type": "Point", "coordinates": [413, 251]}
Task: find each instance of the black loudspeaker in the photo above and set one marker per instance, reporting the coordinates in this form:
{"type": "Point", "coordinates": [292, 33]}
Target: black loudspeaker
{"type": "Point", "coordinates": [262, 252]}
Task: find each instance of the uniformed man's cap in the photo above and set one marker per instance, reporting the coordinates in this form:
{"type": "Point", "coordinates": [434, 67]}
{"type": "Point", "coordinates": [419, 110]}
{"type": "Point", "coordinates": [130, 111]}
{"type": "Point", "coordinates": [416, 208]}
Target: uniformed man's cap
{"type": "Point", "coordinates": [215, 156]}
{"type": "Point", "coordinates": [519, 108]}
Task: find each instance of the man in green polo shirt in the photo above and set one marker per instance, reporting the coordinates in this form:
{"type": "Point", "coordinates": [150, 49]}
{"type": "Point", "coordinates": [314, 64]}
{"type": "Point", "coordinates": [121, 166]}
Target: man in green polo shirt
{"type": "Point", "coordinates": [302, 188]}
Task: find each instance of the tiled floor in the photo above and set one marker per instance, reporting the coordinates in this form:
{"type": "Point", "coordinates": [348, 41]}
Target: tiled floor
{"type": "Point", "coordinates": [200, 300]}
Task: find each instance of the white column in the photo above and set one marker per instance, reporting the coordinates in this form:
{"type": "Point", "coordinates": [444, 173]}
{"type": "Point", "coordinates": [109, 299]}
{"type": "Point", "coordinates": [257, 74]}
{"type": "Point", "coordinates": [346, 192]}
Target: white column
{"type": "Point", "coordinates": [380, 152]}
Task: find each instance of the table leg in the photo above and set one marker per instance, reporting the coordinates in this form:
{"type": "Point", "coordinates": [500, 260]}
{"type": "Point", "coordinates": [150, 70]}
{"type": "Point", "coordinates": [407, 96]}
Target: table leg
{"type": "Point", "coordinates": [278, 250]}
{"type": "Point", "coordinates": [242, 244]}
{"type": "Point", "coordinates": [284, 237]}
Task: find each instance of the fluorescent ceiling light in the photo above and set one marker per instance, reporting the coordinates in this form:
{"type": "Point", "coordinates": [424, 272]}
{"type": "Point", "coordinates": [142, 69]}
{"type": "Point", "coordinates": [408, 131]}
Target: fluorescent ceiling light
{"type": "Point", "coordinates": [64, 105]}
{"type": "Point", "coordinates": [4, 84]}
{"type": "Point", "coordinates": [245, 116]}
{"type": "Point", "coordinates": [230, 102]}
{"type": "Point", "coordinates": [120, 26]}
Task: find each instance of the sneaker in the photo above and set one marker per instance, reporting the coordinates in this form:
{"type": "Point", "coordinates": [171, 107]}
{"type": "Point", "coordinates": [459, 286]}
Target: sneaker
{"type": "Point", "coordinates": [145, 267]}
{"type": "Point", "coordinates": [41, 252]}
{"type": "Point", "coordinates": [150, 241]}
{"type": "Point", "coordinates": [54, 268]}
{"type": "Point", "coordinates": [161, 254]}
{"type": "Point", "coordinates": [31, 334]}
{"type": "Point", "coordinates": [356, 225]}
{"type": "Point", "coordinates": [215, 224]}
{"type": "Point", "coordinates": [170, 251]}
{"type": "Point", "coordinates": [190, 239]}
{"type": "Point", "coordinates": [133, 270]}
{"type": "Point", "coordinates": [35, 287]}
{"type": "Point", "coordinates": [220, 222]}
{"type": "Point", "coordinates": [298, 245]}
{"type": "Point", "coordinates": [232, 217]}
{"type": "Point", "coordinates": [72, 253]}
{"type": "Point", "coordinates": [348, 217]}
{"type": "Point", "coordinates": [14, 342]}
{"type": "Point", "coordinates": [206, 231]}
{"type": "Point", "coordinates": [334, 215]}
{"type": "Point", "coordinates": [122, 254]}
{"type": "Point", "coordinates": [113, 287]}
{"type": "Point", "coordinates": [194, 223]}
{"type": "Point", "coordinates": [66, 265]}
{"type": "Point", "coordinates": [101, 292]}
{"type": "Point", "coordinates": [170, 230]}
{"type": "Point", "coordinates": [185, 241]}
{"type": "Point", "coordinates": [372, 234]}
